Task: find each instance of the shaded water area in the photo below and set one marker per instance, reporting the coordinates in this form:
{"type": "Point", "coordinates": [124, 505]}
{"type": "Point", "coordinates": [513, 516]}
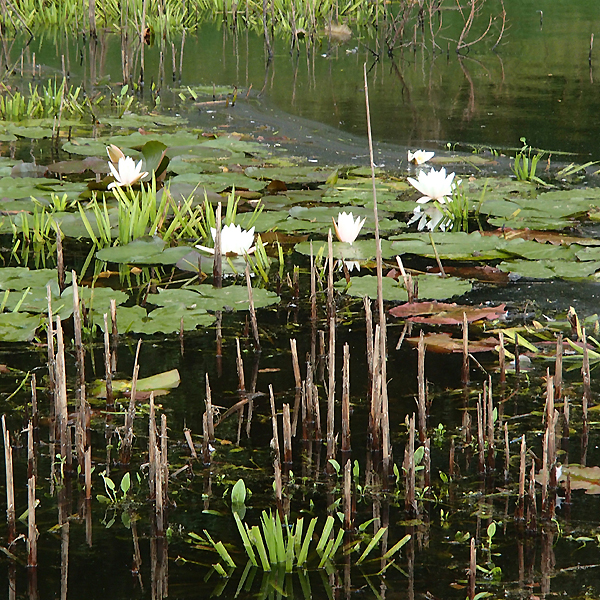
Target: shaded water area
{"type": "Point", "coordinates": [537, 84]}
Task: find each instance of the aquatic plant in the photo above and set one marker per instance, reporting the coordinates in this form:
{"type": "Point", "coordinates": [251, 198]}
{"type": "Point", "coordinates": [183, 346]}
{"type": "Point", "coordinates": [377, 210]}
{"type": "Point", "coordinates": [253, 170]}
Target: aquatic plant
{"type": "Point", "coordinates": [525, 165]}
{"type": "Point", "coordinates": [419, 157]}
{"type": "Point", "coordinates": [125, 171]}
{"type": "Point", "coordinates": [347, 228]}
{"type": "Point", "coordinates": [234, 240]}
{"type": "Point", "coordinates": [434, 185]}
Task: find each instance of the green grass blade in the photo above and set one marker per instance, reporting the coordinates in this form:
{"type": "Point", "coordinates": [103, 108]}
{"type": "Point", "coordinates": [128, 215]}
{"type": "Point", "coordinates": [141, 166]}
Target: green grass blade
{"type": "Point", "coordinates": [305, 545]}
{"type": "Point", "coordinates": [245, 539]}
{"type": "Point", "coordinates": [372, 544]}
{"type": "Point", "coordinates": [257, 540]}
{"type": "Point", "coordinates": [396, 547]}
{"type": "Point", "coordinates": [325, 534]}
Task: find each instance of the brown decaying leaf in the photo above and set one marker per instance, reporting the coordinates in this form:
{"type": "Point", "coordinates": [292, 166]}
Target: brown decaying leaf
{"type": "Point", "coordinates": [443, 343]}
{"type": "Point", "coordinates": [442, 313]}
{"type": "Point", "coordinates": [582, 478]}
{"type": "Point", "coordinates": [485, 273]}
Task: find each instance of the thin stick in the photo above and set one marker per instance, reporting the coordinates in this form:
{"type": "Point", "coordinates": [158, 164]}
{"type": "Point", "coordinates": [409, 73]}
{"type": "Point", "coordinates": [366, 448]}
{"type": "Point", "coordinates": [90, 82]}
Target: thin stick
{"type": "Point", "coordinates": [472, 569]}
{"type": "Point", "coordinates": [60, 263]}
{"type": "Point", "coordinates": [421, 389]}
{"type": "Point", "coordinates": [240, 366]}
{"type": "Point", "coordinates": [218, 257]}
{"type": "Point", "coordinates": [346, 400]}
{"type": "Point", "coordinates": [369, 327]}
{"type": "Point", "coordinates": [465, 363]}
{"type": "Point", "coordinates": [313, 286]}
{"type": "Point", "coordinates": [10, 484]}
{"type": "Point", "coordinates": [295, 363]}
{"type": "Point", "coordinates": [331, 392]}
{"type": "Point", "coordinates": [252, 311]}
{"type": "Point", "coordinates": [287, 435]}
{"type": "Point", "coordinates": [188, 438]}
{"type": "Point", "coordinates": [108, 365]}
{"type": "Point", "coordinates": [209, 413]}
{"type": "Point", "coordinates": [60, 378]}
{"type": "Point", "coordinates": [437, 257]}
{"type": "Point", "coordinates": [50, 340]}
{"type": "Point", "coordinates": [32, 532]}
{"type": "Point", "coordinates": [115, 335]}
{"type": "Point", "coordinates": [502, 358]}
{"type": "Point", "coordinates": [558, 367]}
{"type": "Point", "coordinates": [274, 422]}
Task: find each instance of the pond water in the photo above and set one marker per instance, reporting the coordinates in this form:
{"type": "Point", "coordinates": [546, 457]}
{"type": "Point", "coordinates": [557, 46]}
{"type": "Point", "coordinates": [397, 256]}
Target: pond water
{"type": "Point", "coordinates": [537, 84]}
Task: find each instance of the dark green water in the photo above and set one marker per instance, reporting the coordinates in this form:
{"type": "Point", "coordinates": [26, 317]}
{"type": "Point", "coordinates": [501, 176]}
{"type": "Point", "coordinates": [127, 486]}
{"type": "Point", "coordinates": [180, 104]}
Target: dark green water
{"type": "Point", "coordinates": [538, 85]}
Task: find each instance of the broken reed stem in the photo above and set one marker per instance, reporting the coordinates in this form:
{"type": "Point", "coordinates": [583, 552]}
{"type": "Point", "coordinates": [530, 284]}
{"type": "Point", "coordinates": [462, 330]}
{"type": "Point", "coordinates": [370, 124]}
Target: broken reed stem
{"type": "Point", "coordinates": [32, 532]}
{"type": "Point", "coordinates": [346, 400]}
{"type": "Point", "coordinates": [406, 278]}
{"type": "Point", "coordinates": [472, 569]}
{"type": "Point", "coordinates": [532, 506]}
{"type": "Point", "coordinates": [410, 503]}
{"type": "Point", "coordinates": [164, 440]}
{"type": "Point", "coordinates": [50, 340]}
{"type": "Point", "coordinates": [348, 495]}
{"type": "Point", "coordinates": [10, 484]}
{"type": "Point", "coordinates": [330, 263]}
{"type": "Point", "coordinates": [240, 366]}
{"type": "Point", "coordinates": [331, 391]}
{"type": "Point", "coordinates": [451, 459]}
{"type": "Point", "coordinates": [252, 311]}
{"type": "Point", "coordinates": [558, 367]}
{"type": "Point", "coordinates": [520, 512]}
{"type": "Point", "coordinates": [60, 394]}
{"type": "Point", "coordinates": [88, 472]}
{"type": "Point", "coordinates": [115, 336]}
{"type": "Point", "coordinates": [369, 327]}
{"type": "Point", "coordinates": [480, 434]}
{"type": "Point", "coordinates": [287, 435]}
{"type": "Point", "coordinates": [295, 363]}
{"type": "Point", "coordinates": [313, 286]}
{"type": "Point", "coordinates": [502, 358]}
{"type": "Point", "coordinates": [60, 263]}
{"type": "Point", "coordinates": [188, 438]}
{"type": "Point", "coordinates": [550, 424]}
{"type": "Point", "coordinates": [107, 365]}
{"type": "Point", "coordinates": [506, 452]}
{"type": "Point", "coordinates": [35, 417]}
{"type": "Point", "coordinates": [278, 485]}
{"type": "Point", "coordinates": [152, 448]}
{"type": "Point", "coordinates": [205, 442]}
{"type": "Point", "coordinates": [490, 427]}
{"type": "Point", "coordinates": [544, 473]}
{"type": "Point", "coordinates": [210, 422]}
{"type": "Point", "coordinates": [585, 372]}
{"type": "Point", "coordinates": [375, 415]}
{"type": "Point", "coordinates": [517, 357]}
{"type": "Point", "coordinates": [465, 363]}
{"type": "Point", "coordinates": [218, 257]}
{"type": "Point", "coordinates": [275, 442]}
{"type": "Point", "coordinates": [421, 398]}
{"type": "Point", "coordinates": [79, 349]}
{"type": "Point", "coordinates": [130, 414]}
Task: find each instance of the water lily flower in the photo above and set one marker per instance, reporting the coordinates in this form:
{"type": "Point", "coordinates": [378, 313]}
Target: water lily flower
{"type": "Point", "coordinates": [350, 265]}
{"type": "Point", "coordinates": [126, 172]}
{"type": "Point", "coordinates": [428, 218]}
{"type": "Point", "coordinates": [418, 157]}
{"type": "Point", "coordinates": [347, 228]}
{"type": "Point", "coordinates": [435, 185]}
{"type": "Point", "coordinates": [234, 240]}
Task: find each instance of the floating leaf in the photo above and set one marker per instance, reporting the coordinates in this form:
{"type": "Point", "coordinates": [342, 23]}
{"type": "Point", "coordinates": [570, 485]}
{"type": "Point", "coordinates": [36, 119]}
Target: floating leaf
{"type": "Point", "coordinates": [444, 343]}
{"type": "Point", "coordinates": [447, 314]}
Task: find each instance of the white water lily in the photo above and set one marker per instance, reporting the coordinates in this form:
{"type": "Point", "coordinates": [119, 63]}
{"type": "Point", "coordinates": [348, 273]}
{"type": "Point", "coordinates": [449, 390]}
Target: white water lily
{"type": "Point", "coordinates": [350, 265]}
{"type": "Point", "coordinates": [234, 240]}
{"type": "Point", "coordinates": [428, 218]}
{"type": "Point", "coordinates": [347, 228]}
{"type": "Point", "coordinates": [435, 185]}
{"type": "Point", "coordinates": [418, 157]}
{"type": "Point", "coordinates": [126, 172]}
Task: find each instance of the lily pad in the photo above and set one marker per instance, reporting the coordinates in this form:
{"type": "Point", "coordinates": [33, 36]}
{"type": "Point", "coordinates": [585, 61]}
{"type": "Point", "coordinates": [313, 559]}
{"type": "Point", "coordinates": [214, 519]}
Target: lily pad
{"type": "Point", "coordinates": [440, 313]}
{"type": "Point", "coordinates": [430, 287]}
{"type": "Point", "coordinates": [359, 250]}
{"type": "Point", "coordinates": [548, 269]}
{"type": "Point", "coordinates": [145, 251]}
{"type": "Point", "coordinates": [233, 297]}
{"type": "Point", "coordinates": [18, 327]}
{"type": "Point", "coordinates": [443, 343]}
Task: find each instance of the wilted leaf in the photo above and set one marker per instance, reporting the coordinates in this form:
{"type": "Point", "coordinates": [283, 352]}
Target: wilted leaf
{"type": "Point", "coordinates": [446, 314]}
{"type": "Point", "coordinates": [443, 343]}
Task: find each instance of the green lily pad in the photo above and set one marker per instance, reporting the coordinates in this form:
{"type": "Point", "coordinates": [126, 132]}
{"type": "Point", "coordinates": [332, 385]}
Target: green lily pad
{"type": "Point", "coordinates": [20, 278]}
{"type": "Point", "coordinates": [549, 269]}
{"type": "Point", "coordinates": [219, 181]}
{"type": "Point", "coordinates": [145, 251]}
{"type": "Point", "coordinates": [431, 287]}
{"type": "Point", "coordinates": [206, 297]}
{"type": "Point", "coordinates": [299, 174]}
{"type": "Point", "coordinates": [18, 327]}
{"type": "Point", "coordinates": [359, 250]}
